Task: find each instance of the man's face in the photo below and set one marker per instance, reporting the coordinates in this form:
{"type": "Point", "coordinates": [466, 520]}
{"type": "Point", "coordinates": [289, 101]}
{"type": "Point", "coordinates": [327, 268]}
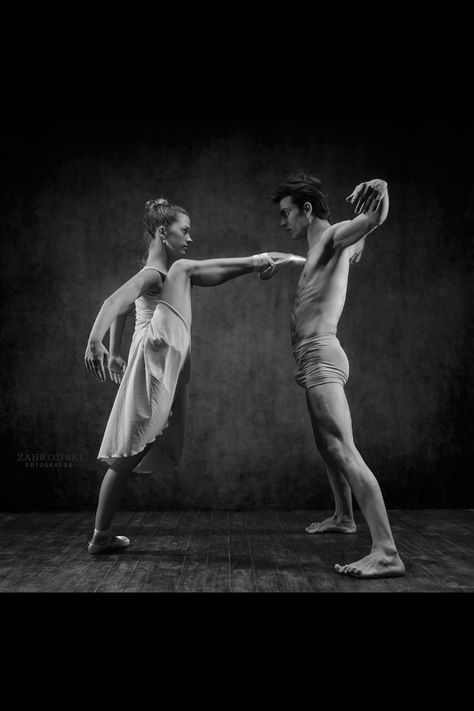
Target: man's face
{"type": "Point", "coordinates": [293, 220]}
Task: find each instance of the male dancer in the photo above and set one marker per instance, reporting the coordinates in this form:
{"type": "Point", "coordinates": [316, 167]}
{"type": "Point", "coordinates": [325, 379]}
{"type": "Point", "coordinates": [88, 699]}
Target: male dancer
{"type": "Point", "coordinates": [322, 365]}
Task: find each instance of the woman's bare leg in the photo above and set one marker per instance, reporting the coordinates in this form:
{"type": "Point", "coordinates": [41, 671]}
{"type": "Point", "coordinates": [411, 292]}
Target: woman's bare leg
{"type": "Point", "coordinates": [111, 491]}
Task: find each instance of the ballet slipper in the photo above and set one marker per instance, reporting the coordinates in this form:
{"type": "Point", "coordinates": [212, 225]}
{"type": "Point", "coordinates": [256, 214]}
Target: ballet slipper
{"type": "Point", "coordinates": [108, 544]}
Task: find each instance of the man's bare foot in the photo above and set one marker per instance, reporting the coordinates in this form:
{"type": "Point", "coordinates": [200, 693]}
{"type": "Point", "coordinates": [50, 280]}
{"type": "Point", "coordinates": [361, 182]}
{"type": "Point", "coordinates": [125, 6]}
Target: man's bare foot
{"type": "Point", "coordinates": [333, 524]}
{"type": "Point", "coordinates": [374, 565]}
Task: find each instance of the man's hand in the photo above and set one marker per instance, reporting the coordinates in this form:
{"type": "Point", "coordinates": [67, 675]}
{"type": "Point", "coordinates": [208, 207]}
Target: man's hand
{"type": "Point", "coordinates": [116, 368]}
{"type": "Point", "coordinates": [367, 196]}
{"type": "Point", "coordinates": [271, 262]}
{"type": "Point", "coordinates": [96, 356]}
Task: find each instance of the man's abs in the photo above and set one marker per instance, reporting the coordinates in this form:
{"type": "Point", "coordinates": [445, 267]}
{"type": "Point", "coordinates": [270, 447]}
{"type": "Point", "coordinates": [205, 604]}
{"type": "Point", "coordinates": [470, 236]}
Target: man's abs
{"type": "Point", "coordinates": [318, 303]}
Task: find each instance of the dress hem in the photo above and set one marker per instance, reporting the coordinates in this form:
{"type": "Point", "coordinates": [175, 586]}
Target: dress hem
{"type": "Point", "coordinates": [123, 456]}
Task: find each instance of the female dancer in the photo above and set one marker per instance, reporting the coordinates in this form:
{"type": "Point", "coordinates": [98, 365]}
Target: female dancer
{"type": "Point", "coordinates": [153, 386]}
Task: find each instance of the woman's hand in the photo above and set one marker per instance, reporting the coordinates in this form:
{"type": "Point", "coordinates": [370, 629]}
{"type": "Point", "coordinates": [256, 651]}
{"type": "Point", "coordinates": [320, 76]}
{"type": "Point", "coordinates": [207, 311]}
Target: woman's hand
{"type": "Point", "coordinates": [96, 358]}
{"type": "Point", "coordinates": [116, 368]}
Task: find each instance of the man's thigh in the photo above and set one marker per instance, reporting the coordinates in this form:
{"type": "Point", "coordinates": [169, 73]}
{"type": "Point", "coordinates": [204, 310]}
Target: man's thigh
{"type": "Point", "coordinates": [329, 411]}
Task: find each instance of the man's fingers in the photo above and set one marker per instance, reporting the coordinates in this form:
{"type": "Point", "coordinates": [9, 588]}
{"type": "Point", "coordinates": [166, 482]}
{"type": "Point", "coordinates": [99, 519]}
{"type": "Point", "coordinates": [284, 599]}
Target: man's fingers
{"type": "Point", "coordinates": [267, 273]}
{"type": "Point", "coordinates": [377, 199]}
{"type": "Point", "coordinates": [363, 199]}
{"type": "Point", "coordinates": [369, 201]}
{"type": "Point", "coordinates": [359, 202]}
{"type": "Point", "coordinates": [355, 193]}
{"type": "Point", "coordinates": [377, 202]}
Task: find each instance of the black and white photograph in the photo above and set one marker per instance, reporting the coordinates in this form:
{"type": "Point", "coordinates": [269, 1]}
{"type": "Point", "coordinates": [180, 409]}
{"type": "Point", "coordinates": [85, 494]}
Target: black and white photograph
{"type": "Point", "coordinates": [236, 354]}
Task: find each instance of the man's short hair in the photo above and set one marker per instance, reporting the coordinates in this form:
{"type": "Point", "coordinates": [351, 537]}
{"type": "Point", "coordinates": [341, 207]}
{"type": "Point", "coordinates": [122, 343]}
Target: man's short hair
{"type": "Point", "coordinates": [303, 187]}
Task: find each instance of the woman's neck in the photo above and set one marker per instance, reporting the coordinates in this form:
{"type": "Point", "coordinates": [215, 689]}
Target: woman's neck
{"type": "Point", "coordinates": [158, 258]}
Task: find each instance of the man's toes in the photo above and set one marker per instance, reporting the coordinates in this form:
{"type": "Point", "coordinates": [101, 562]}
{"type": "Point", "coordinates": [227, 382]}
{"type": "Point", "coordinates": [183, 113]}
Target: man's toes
{"type": "Point", "coordinates": [354, 571]}
{"type": "Point", "coordinates": [338, 568]}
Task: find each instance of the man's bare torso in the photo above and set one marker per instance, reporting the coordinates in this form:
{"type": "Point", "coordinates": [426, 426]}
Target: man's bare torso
{"type": "Point", "coordinates": [321, 290]}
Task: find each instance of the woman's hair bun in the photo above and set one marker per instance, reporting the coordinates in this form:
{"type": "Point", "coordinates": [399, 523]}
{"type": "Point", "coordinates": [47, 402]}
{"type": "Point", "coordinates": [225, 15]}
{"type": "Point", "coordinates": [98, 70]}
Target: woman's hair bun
{"type": "Point", "coordinates": [161, 202]}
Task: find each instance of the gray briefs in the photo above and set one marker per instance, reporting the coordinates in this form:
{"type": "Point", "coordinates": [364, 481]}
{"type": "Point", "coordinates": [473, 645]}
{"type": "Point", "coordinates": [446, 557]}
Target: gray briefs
{"type": "Point", "coordinates": [320, 359]}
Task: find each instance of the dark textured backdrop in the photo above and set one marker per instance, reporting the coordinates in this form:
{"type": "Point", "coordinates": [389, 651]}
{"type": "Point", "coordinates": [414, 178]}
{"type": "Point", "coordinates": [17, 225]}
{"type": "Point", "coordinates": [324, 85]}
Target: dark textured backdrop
{"type": "Point", "coordinates": [73, 191]}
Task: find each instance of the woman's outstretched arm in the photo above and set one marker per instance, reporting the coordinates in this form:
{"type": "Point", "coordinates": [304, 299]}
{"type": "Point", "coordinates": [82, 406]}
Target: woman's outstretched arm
{"type": "Point", "coordinates": [212, 272]}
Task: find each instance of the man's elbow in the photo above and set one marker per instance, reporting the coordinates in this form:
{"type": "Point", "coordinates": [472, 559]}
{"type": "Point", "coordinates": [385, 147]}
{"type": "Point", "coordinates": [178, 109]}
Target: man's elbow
{"type": "Point", "coordinates": [377, 220]}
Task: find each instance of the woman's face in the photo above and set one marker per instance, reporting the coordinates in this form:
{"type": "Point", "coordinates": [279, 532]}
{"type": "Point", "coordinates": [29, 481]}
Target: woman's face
{"type": "Point", "coordinates": [178, 236]}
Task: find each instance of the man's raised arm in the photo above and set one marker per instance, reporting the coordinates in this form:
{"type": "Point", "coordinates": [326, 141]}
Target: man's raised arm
{"type": "Point", "coordinates": [371, 203]}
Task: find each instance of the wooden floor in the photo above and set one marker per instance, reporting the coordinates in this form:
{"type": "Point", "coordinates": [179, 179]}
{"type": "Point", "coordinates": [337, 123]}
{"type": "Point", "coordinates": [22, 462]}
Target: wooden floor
{"type": "Point", "coordinates": [209, 551]}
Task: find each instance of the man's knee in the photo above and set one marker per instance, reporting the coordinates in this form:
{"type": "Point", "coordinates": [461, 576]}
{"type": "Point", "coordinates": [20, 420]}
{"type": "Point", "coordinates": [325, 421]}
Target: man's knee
{"type": "Point", "coordinates": [338, 451]}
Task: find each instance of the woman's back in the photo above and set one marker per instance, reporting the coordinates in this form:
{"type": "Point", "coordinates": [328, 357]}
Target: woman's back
{"type": "Point", "coordinates": [145, 305]}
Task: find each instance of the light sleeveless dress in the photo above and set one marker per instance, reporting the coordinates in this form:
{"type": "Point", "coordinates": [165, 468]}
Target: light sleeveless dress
{"type": "Point", "coordinates": [159, 358]}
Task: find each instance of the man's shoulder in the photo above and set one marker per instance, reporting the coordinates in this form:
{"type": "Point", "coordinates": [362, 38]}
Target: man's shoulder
{"type": "Point", "coordinates": [330, 231]}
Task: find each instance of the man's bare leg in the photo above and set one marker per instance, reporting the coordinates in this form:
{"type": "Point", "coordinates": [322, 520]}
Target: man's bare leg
{"type": "Point", "coordinates": [332, 424]}
{"type": "Point", "coordinates": [342, 521]}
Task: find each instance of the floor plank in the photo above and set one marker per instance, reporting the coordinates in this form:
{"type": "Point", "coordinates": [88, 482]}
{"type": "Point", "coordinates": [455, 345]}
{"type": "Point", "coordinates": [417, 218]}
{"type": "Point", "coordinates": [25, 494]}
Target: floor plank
{"type": "Point", "coordinates": [242, 568]}
{"type": "Point", "coordinates": [195, 564]}
{"type": "Point", "coordinates": [267, 574]}
{"type": "Point", "coordinates": [218, 571]}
